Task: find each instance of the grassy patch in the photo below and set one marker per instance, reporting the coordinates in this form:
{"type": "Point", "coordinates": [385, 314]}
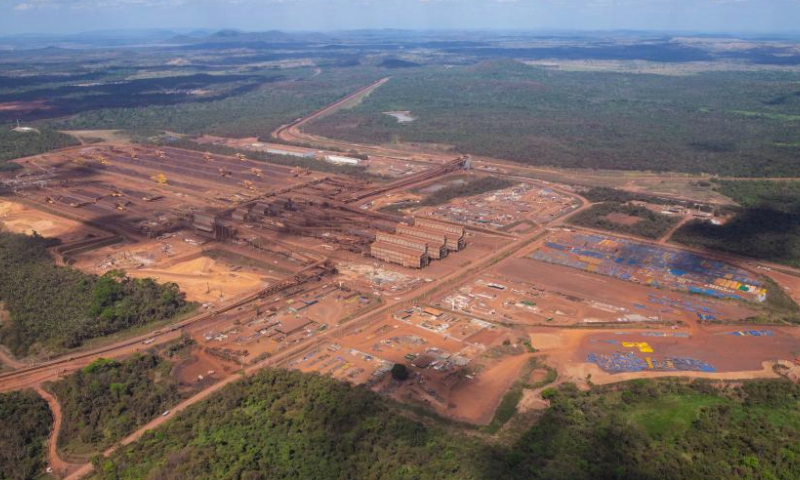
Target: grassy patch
{"type": "Point", "coordinates": [648, 224]}
{"type": "Point", "coordinates": [671, 415]}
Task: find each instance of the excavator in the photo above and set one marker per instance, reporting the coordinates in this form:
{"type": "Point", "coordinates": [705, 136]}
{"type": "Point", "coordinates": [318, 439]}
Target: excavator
{"type": "Point", "coordinates": [207, 157]}
{"type": "Point", "coordinates": [241, 156]}
{"type": "Point", "coordinates": [161, 154]}
{"type": "Point", "coordinates": [256, 171]}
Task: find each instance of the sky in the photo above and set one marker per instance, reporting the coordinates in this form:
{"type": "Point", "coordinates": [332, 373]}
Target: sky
{"type": "Point", "coordinates": [73, 16]}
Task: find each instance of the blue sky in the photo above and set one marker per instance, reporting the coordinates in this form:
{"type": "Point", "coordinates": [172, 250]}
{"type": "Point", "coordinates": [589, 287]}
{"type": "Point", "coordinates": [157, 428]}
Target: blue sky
{"type": "Point", "coordinates": [68, 16]}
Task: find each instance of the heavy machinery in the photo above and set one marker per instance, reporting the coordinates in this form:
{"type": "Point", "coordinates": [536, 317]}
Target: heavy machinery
{"type": "Point", "coordinates": [103, 160]}
{"type": "Point", "coordinates": [224, 173]}
{"type": "Point", "coordinates": [207, 157]}
{"type": "Point", "coordinates": [300, 171]}
{"type": "Point", "coordinates": [241, 156]}
{"type": "Point", "coordinates": [79, 161]}
{"type": "Point", "coordinates": [249, 185]}
{"type": "Point", "coordinates": [257, 172]}
{"type": "Point", "coordinates": [159, 178]}
{"type": "Point", "coordinates": [116, 193]}
{"type": "Point", "coordinates": [134, 156]}
{"type": "Point", "coordinates": [161, 154]}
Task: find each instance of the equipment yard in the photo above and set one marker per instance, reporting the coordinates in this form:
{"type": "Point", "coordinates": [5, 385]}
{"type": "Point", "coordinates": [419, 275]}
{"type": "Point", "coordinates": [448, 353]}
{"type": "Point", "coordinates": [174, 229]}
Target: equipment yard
{"type": "Point", "coordinates": [652, 265]}
{"type": "Point", "coordinates": [528, 292]}
{"type": "Point", "coordinates": [452, 359]}
{"type": "Point", "coordinates": [516, 209]}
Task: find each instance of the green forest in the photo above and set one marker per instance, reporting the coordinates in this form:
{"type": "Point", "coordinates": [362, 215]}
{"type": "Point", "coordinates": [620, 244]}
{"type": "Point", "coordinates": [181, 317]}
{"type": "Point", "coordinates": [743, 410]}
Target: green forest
{"type": "Point", "coordinates": [108, 400]}
{"type": "Point", "coordinates": [252, 114]}
{"type": "Point", "coordinates": [54, 308]}
{"type": "Point", "coordinates": [728, 123]}
{"type": "Point", "coordinates": [767, 226]}
{"type": "Point", "coordinates": [284, 424]}
{"type": "Point", "coordinates": [23, 144]}
{"type": "Point", "coordinates": [650, 224]}
{"type": "Point", "coordinates": [25, 423]}
{"type": "Point", "coordinates": [288, 425]}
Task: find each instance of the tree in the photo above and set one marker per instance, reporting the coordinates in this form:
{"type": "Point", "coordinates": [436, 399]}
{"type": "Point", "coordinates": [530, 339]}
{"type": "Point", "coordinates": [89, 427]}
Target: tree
{"type": "Point", "coordinates": [400, 372]}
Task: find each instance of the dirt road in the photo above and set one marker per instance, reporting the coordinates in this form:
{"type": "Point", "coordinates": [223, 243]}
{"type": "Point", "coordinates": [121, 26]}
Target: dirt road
{"type": "Point", "coordinates": [61, 468]}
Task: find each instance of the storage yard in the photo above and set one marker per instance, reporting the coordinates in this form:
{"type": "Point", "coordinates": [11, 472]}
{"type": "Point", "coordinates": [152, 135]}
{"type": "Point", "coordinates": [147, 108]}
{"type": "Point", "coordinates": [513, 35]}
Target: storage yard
{"type": "Point", "coordinates": [717, 349]}
{"type": "Point", "coordinates": [652, 265]}
{"type": "Point", "coordinates": [524, 291]}
{"type": "Point", "coordinates": [459, 366]}
{"type": "Point", "coordinates": [515, 209]}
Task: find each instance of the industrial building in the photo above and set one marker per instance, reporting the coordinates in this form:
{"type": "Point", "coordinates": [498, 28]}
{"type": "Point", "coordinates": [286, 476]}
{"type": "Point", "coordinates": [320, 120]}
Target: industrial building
{"type": "Point", "coordinates": [455, 234]}
{"type": "Point", "coordinates": [435, 248]}
{"type": "Point", "coordinates": [428, 237]}
{"type": "Point", "coordinates": [291, 153]}
{"type": "Point", "coordinates": [340, 160]}
{"type": "Point", "coordinates": [407, 257]}
{"type": "Point", "coordinates": [403, 241]}
{"type": "Point", "coordinates": [452, 242]}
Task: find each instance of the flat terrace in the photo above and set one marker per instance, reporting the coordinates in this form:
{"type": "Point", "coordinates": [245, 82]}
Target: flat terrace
{"type": "Point", "coordinates": [108, 182]}
{"type": "Point", "coordinates": [187, 168]}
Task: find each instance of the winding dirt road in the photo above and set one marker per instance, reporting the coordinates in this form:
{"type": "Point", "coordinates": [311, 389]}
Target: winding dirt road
{"type": "Point", "coordinates": [61, 468]}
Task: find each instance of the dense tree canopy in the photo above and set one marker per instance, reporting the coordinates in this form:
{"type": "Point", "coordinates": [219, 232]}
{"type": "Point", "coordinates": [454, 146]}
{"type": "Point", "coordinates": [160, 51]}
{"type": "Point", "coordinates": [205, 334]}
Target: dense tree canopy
{"type": "Point", "coordinates": [23, 144]}
{"type": "Point", "coordinates": [52, 308]}
{"type": "Point", "coordinates": [108, 400]}
{"type": "Point", "coordinates": [648, 224]}
{"type": "Point", "coordinates": [282, 425]}
{"type": "Point", "coordinates": [767, 226]}
{"type": "Point", "coordinates": [712, 122]}
{"type": "Point", "coordinates": [25, 423]}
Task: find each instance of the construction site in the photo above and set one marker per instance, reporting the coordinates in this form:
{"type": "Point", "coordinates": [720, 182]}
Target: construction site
{"type": "Point", "coordinates": [516, 209]}
{"type": "Point", "coordinates": [459, 365]}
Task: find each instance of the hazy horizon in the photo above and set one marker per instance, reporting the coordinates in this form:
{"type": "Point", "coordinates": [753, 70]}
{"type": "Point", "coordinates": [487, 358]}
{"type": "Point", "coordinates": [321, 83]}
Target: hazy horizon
{"type": "Point", "coordinates": [60, 17]}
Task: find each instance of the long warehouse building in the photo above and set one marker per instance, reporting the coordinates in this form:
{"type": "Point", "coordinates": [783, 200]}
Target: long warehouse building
{"type": "Point", "coordinates": [436, 250]}
{"type": "Point", "coordinates": [453, 242]}
{"type": "Point", "coordinates": [407, 257]}
{"type": "Point", "coordinates": [455, 234]}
